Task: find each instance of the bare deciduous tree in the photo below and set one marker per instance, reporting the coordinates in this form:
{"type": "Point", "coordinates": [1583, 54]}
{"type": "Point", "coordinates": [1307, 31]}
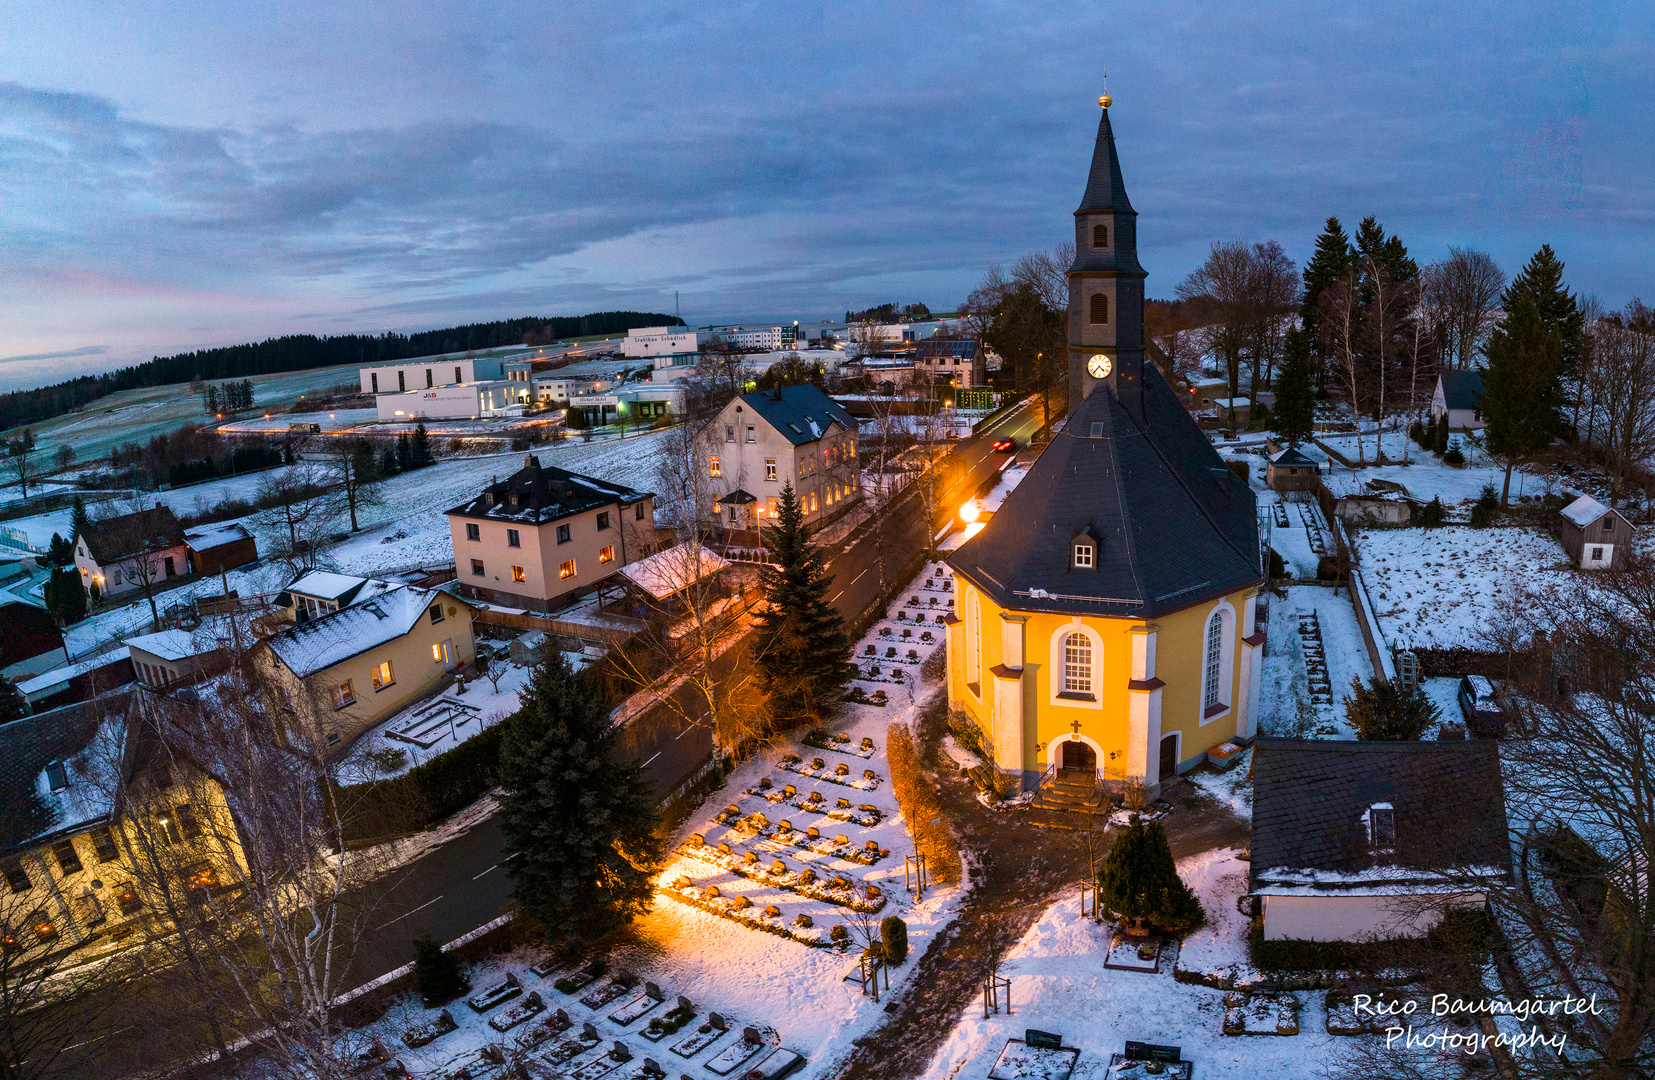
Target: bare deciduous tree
{"type": "Point", "coordinates": [352, 470]}
{"type": "Point", "coordinates": [1461, 297]}
{"type": "Point", "coordinates": [1619, 372]}
{"type": "Point", "coordinates": [297, 512]}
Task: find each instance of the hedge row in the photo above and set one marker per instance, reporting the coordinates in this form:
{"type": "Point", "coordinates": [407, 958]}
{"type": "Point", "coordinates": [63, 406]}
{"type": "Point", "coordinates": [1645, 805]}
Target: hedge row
{"type": "Point", "coordinates": [427, 793]}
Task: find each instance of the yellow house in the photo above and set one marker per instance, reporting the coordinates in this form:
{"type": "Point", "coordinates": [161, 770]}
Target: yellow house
{"type": "Point", "coordinates": [88, 809]}
{"type": "Point", "coordinates": [351, 667]}
{"type": "Point", "coordinates": [1104, 617]}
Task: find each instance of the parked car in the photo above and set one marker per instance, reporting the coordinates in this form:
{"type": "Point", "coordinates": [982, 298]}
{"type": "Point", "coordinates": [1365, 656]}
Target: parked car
{"type": "Point", "coordinates": [1004, 445]}
{"type": "Point", "coordinates": [1484, 716]}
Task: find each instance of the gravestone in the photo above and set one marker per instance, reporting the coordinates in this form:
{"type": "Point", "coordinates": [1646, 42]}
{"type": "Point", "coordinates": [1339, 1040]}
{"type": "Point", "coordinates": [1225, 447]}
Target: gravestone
{"type": "Point", "coordinates": [1150, 1052]}
{"type": "Point", "coordinates": [1042, 1040]}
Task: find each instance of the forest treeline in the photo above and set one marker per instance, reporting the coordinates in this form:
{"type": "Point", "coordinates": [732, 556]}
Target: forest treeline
{"type": "Point", "coordinates": [297, 352]}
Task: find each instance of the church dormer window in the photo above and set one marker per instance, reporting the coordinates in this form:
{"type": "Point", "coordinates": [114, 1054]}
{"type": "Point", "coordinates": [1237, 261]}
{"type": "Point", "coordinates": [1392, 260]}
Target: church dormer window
{"type": "Point", "coordinates": [1085, 555]}
{"type": "Point", "coordinates": [1100, 236]}
{"type": "Point", "coordinates": [1100, 308]}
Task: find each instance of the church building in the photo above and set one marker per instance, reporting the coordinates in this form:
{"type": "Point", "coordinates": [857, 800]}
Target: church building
{"type": "Point", "coordinates": [1105, 619]}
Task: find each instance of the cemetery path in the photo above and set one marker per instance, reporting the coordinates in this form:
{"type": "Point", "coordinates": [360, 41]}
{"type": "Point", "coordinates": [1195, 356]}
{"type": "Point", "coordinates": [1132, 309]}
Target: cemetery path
{"type": "Point", "coordinates": [1017, 872]}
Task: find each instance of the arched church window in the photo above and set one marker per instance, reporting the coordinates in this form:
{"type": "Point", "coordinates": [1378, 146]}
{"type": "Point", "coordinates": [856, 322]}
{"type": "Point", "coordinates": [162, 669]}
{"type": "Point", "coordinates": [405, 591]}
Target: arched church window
{"type": "Point", "coordinates": [1100, 308]}
{"type": "Point", "coordinates": [1100, 236]}
{"type": "Point", "coordinates": [1077, 664]}
{"type": "Point", "coordinates": [1214, 664]}
{"type": "Point", "coordinates": [973, 639]}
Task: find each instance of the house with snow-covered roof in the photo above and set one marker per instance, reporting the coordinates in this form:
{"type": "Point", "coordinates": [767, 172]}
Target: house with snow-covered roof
{"type": "Point", "coordinates": [763, 441]}
{"type": "Point", "coordinates": [544, 536]}
{"type": "Point", "coordinates": [342, 671]}
{"type": "Point", "coordinates": [1360, 841]}
{"type": "Point", "coordinates": [1597, 537]}
{"type": "Point", "coordinates": [1459, 396]}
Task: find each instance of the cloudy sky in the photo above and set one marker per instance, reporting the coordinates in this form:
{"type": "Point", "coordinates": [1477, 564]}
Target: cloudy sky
{"type": "Point", "coordinates": [174, 175]}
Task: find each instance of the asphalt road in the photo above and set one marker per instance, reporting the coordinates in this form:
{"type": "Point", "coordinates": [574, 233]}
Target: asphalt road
{"type": "Point", "coordinates": [970, 464]}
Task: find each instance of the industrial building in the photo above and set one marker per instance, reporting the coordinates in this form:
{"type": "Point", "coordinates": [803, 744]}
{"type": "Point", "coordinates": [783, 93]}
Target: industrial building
{"type": "Point", "coordinates": [463, 401]}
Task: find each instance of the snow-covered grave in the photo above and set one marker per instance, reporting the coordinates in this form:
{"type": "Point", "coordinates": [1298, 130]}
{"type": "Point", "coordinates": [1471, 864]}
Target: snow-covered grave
{"type": "Point", "coordinates": [1058, 985]}
{"type": "Point", "coordinates": [1019, 1060]}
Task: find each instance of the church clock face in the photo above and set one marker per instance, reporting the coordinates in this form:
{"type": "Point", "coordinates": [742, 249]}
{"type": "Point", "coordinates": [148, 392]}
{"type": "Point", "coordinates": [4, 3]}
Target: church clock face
{"type": "Point", "coordinates": [1099, 366]}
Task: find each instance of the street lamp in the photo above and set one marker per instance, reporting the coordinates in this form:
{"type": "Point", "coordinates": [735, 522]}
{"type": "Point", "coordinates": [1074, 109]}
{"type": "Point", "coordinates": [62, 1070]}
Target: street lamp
{"type": "Point", "coordinates": [969, 512]}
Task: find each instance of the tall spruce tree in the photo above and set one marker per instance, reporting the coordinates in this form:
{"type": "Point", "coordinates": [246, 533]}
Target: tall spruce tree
{"type": "Point", "coordinates": [419, 448]}
{"type": "Point", "coordinates": [1332, 259]}
{"type": "Point", "coordinates": [1541, 284]}
{"type": "Point", "coordinates": [1522, 394]}
{"type": "Point", "coordinates": [802, 649]}
{"type": "Point", "coordinates": [405, 453]}
{"type": "Point", "coordinates": [578, 821]}
{"type": "Point", "coordinates": [80, 522]}
{"type": "Point", "coordinates": [1295, 397]}
{"type": "Point", "coordinates": [1139, 880]}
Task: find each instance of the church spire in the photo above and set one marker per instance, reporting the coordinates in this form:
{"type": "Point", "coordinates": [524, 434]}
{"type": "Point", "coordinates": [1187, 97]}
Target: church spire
{"type": "Point", "coordinates": [1105, 190]}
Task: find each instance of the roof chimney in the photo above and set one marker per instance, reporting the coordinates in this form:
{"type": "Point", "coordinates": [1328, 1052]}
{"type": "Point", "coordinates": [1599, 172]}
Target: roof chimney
{"type": "Point", "coordinates": [531, 462]}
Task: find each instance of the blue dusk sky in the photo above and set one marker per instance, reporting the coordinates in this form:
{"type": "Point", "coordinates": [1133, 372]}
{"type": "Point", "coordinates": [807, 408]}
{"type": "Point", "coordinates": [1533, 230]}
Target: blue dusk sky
{"type": "Point", "coordinates": [179, 175]}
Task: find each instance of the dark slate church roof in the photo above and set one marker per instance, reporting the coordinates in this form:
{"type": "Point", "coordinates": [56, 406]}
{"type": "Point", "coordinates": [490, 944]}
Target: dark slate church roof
{"type": "Point", "coordinates": [1106, 193]}
{"type": "Point", "coordinates": [1173, 524]}
{"type": "Point", "coordinates": [1310, 797]}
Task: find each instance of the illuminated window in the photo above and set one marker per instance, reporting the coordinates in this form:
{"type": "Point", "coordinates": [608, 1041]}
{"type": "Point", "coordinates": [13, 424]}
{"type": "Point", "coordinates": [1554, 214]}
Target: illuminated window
{"type": "Point", "coordinates": [472, 531]}
{"type": "Point", "coordinates": [770, 506]}
{"type": "Point", "coordinates": [443, 652]}
{"type": "Point", "coordinates": [477, 567]}
{"type": "Point", "coordinates": [567, 570]}
{"type": "Point", "coordinates": [126, 898]}
{"type": "Point", "coordinates": [813, 503]}
{"type": "Point", "coordinates": [606, 554]}
{"type": "Point", "coordinates": [713, 467]}
{"type": "Point", "coordinates": [1100, 308]}
{"type": "Point", "coordinates": [344, 695]}
{"type": "Point", "coordinates": [517, 574]}
{"type": "Point", "coordinates": [769, 468]}
{"type": "Point", "coordinates": [1077, 664]}
{"type": "Point", "coordinates": [382, 675]}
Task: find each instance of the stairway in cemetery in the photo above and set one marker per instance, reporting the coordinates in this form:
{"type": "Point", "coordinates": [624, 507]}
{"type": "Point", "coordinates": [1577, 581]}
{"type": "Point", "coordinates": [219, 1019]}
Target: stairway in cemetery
{"type": "Point", "coordinates": [1315, 659]}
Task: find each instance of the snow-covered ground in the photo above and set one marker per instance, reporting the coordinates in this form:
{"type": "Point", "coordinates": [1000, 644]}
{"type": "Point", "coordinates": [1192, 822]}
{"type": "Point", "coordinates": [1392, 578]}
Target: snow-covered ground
{"type": "Point", "coordinates": [1285, 692]}
{"type": "Point", "coordinates": [1059, 984]}
{"type": "Point", "coordinates": [1437, 588]}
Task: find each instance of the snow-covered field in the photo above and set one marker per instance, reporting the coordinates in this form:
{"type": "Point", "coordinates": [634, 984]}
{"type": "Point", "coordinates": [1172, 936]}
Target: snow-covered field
{"type": "Point", "coordinates": [1059, 984]}
{"type": "Point", "coordinates": [1437, 588]}
{"type": "Point", "coordinates": [1285, 685]}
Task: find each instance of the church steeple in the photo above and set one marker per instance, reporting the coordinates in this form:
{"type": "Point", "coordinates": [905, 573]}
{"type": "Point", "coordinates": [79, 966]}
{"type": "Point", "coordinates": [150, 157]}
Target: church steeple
{"type": "Point", "coordinates": [1106, 284]}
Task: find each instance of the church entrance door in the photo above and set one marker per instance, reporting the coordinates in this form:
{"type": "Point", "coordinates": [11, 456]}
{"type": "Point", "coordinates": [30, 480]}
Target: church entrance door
{"type": "Point", "coordinates": [1169, 757]}
{"type": "Point", "coordinates": [1077, 755]}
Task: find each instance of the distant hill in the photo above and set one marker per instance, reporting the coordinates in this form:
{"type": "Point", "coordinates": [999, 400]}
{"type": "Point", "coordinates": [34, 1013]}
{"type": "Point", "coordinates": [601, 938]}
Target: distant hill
{"type": "Point", "coordinates": [298, 352]}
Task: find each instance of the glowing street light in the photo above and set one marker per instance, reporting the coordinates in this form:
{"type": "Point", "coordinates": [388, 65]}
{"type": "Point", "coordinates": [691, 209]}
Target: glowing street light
{"type": "Point", "coordinates": [970, 512]}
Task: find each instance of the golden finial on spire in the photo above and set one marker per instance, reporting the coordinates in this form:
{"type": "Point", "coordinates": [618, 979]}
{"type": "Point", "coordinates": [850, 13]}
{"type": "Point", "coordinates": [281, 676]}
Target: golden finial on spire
{"type": "Point", "coordinates": [1105, 100]}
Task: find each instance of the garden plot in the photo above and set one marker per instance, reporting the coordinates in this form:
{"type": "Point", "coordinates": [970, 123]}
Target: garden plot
{"type": "Point", "coordinates": [1314, 650]}
{"type": "Point", "coordinates": [432, 722]}
{"type": "Point", "coordinates": [1057, 985]}
{"type": "Point", "coordinates": [1438, 588]}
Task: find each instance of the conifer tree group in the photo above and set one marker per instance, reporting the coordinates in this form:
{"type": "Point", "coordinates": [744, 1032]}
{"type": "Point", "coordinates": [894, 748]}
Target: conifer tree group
{"type": "Point", "coordinates": [802, 650]}
{"type": "Point", "coordinates": [1295, 414]}
{"type": "Point", "coordinates": [579, 821]}
{"type": "Point", "coordinates": [1139, 880]}
{"type": "Point", "coordinates": [1528, 355]}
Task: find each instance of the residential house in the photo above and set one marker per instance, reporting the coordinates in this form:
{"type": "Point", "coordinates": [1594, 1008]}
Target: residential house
{"type": "Point", "coordinates": [69, 779]}
{"type": "Point", "coordinates": [1356, 841]}
{"type": "Point", "coordinates": [1596, 537]}
{"type": "Point", "coordinates": [1459, 396]}
{"type": "Point", "coordinates": [30, 641]}
{"type": "Point", "coordinates": [1105, 630]}
{"type": "Point", "coordinates": [760, 442]}
{"type": "Point", "coordinates": [957, 362]}
{"type": "Point", "coordinates": [179, 657]}
{"type": "Point", "coordinates": [544, 536]}
{"type": "Point", "coordinates": [124, 553]}
{"type": "Point", "coordinates": [1290, 470]}
{"type": "Point", "coordinates": [319, 592]}
{"type": "Point", "coordinates": [86, 678]}
{"type": "Point", "coordinates": [347, 669]}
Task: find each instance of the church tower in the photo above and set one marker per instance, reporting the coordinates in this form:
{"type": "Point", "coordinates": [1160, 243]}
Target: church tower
{"type": "Point", "coordinates": [1106, 285]}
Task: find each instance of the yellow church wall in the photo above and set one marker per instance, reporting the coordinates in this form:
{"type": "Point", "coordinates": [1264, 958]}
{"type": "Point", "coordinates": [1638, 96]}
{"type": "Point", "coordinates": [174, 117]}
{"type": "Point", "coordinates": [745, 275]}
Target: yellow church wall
{"type": "Point", "coordinates": [1179, 650]}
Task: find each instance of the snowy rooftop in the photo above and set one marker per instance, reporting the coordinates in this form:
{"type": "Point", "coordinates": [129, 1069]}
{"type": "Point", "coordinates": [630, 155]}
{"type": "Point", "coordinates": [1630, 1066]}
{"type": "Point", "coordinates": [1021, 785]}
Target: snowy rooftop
{"type": "Point", "coordinates": [55, 769]}
{"type": "Point", "coordinates": [211, 536]}
{"type": "Point", "coordinates": [675, 569]}
{"type": "Point", "coordinates": [325, 585]}
{"type": "Point", "coordinates": [1584, 510]}
{"type": "Point", "coordinates": [178, 644]}
{"type": "Point", "coordinates": [47, 680]}
{"type": "Point", "coordinates": [337, 636]}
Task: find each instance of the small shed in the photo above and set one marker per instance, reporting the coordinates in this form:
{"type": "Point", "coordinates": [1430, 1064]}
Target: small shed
{"type": "Point", "coordinates": [1597, 537]}
{"type": "Point", "coordinates": [1289, 470]}
{"type": "Point", "coordinates": [1243, 408]}
{"type": "Point", "coordinates": [1358, 841]}
{"type": "Point", "coordinates": [1459, 396]}
{"type": "Point", "coordinates": [217, 548]}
